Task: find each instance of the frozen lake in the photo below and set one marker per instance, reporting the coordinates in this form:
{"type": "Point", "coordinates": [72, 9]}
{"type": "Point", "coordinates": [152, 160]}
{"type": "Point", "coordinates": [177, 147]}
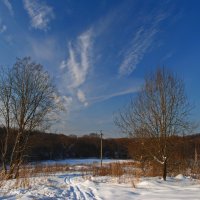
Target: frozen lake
{"type": "Point", "coordinates": [85, 161]}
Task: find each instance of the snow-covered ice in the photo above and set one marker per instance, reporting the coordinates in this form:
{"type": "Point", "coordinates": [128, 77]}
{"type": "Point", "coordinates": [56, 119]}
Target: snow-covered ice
{"type": "Point", "coordinates": [87, 161]}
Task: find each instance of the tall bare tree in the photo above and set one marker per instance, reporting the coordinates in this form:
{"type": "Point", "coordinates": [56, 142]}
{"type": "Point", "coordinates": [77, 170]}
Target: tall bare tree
{"type": "Point", "coordinates": [5, 113]}
{"type": "Point", "coordinates": [158, 112]}
{"type": "Point", "coordinates": [27, 99]}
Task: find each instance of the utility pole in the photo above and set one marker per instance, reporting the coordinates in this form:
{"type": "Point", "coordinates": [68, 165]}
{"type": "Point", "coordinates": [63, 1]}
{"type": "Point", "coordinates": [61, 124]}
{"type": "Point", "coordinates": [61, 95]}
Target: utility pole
{"type": "Point", "coordinates": [101, 153]}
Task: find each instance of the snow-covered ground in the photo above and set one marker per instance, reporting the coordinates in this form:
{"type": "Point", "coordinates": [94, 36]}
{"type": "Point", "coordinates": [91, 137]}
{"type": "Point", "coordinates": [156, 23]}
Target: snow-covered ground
{"type": "Point", "coordinates": [75, 186]}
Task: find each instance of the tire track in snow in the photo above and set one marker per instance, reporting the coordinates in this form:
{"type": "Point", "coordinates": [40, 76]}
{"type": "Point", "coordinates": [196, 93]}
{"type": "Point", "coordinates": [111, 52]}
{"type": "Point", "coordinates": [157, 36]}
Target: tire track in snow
{"type": "Point", "coordinates": [77, 191]}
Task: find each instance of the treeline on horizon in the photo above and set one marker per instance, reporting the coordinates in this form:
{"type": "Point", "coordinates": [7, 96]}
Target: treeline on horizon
{"type": "Point", "coordinates": [50, 146]}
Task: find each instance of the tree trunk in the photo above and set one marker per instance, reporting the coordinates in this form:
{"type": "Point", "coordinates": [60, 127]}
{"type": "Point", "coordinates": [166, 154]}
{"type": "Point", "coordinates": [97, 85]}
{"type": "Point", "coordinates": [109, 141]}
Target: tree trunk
{"type": "Point", "coordinates": [4, 167]}
{"type": "Point", "coordinates": [165, 170]}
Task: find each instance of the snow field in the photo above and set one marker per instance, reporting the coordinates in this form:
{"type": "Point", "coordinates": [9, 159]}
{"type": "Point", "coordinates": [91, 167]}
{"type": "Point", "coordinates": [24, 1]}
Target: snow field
{"type": "Point", "coordinates": [81, 185]}
{"type": "Point", "coordinates": [74, 186]}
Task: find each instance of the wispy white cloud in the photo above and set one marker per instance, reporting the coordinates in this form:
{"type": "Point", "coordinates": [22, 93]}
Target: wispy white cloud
{"type": "Point", "coordinates": [9, 6]}
{"type": "Point", "coordinates": [114, 94]}
{"type": "Point", "coordinates": [39, 13]}
{"type": "Point", "coordinates": [141, 42]}
{"type": "Point", "coordinates": [75, 69]}
{"type": "Point", "coordinates": [64, 101]}
{"type": "Point", "coordinates": [7, 37]}
{"type": "Point", "coordinates": [64, 105]}
{"type": "Point", "coordinates": [81, 97]}
{"type": "Point", "coordinates": [167, 56]}
{"type": "Point", "coordinates": [63, 64]}
{"type": "Point", "coordinates": [43, 49]}
{"type": "Point", "coordinates": [3, 27]}
{"type": "Point", "coordinates": [78, 63]}
{"type": "Point", "coordinates": [133, 55]}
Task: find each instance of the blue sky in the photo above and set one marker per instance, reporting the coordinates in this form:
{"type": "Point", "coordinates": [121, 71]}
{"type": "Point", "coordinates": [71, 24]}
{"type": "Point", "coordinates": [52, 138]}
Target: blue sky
{"type": "Point", "coordinates": [98, 51]}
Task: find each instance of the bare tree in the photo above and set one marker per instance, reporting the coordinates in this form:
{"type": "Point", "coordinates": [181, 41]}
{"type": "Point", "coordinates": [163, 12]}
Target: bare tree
{"type": "Point", "coordinates": [29, 100]}
{"type": "Point", "coordinates": [158, 112]}
{"type": "Point", "coordinates": [5, 113]}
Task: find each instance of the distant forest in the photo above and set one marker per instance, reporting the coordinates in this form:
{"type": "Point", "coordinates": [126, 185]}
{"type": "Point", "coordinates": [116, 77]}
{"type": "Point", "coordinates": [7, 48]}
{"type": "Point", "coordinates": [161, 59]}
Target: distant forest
{"type": "Point", "coordinates": [49, 146]}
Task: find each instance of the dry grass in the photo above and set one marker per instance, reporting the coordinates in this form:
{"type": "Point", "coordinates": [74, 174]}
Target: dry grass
{"type": "Point", "coordinates": [27, 171]}
{"type": "Point", "coordinates": [46, 169]}
{"type": "Point", "coordinates": [124, 172]}
{"type": "Point", "coordinates": [118, 169]}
